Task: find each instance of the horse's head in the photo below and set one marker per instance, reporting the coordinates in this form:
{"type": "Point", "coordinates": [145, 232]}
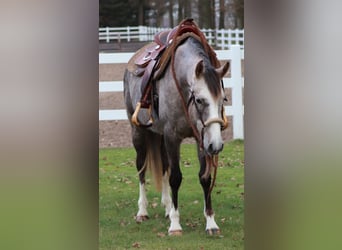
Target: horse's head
{"type": "Point", "coordinates": [207, 97]}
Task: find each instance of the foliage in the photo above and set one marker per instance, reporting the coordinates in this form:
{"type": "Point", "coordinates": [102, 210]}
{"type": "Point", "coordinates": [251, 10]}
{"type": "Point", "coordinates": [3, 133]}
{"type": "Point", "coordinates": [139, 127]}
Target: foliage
{"type": "Point", "coordinates": [118, 185]}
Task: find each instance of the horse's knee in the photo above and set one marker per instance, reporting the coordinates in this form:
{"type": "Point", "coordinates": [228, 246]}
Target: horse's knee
{"type": "Point", "coordinates": [205, 182]}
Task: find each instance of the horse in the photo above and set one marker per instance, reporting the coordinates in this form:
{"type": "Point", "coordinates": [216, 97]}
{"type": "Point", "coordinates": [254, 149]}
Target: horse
{"type": "Point", "coordinates": [187, 101]}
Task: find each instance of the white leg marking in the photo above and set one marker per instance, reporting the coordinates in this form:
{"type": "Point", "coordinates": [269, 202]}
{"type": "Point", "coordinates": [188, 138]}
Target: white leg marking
{"type": "Point", "coordinates": [174, 217]}
{"type": "Point", "coordinates": [211, 227]}
{"type": "Point", "coordinates": [142, 202]}
{"type": "Point", "coordinates": [166, 198]}
{"type": "Point", "coordinates": [211, 224]}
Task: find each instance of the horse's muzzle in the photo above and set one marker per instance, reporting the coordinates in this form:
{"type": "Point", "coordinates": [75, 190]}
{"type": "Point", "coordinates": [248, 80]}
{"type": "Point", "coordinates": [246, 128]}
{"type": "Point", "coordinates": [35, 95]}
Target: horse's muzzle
{"type": "Point", "coordinates": [211, 136]}
{"type": "Point", "coordinates": [214, 149]}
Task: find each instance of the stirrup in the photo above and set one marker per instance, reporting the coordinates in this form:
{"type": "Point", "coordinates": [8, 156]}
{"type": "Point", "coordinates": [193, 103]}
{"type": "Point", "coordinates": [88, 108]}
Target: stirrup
{"type": "Point", "coordinates": [135, 119]}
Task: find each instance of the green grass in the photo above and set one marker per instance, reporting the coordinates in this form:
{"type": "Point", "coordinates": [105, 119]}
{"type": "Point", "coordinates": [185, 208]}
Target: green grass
{"type": "Point", "coordinates": [119, 191]}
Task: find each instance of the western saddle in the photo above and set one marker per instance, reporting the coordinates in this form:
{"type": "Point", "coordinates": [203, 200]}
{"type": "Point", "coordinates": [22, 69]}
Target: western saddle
{"type": "Point", "coordinates": [150, 61]}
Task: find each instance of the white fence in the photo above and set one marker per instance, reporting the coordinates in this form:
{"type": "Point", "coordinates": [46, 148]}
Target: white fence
{"type": "Point", "coordinates": [235, 82]}
{"type": "Point", "coordinates": [220, 38]}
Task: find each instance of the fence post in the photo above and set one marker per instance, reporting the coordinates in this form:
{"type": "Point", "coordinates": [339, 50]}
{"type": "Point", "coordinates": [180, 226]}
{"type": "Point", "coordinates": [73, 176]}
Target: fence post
{"type": "Point", "coordinates": [107, 34]}
{"type": "Point", "coordinates": [119, 40]}
{"type": "Point", "coordinates": [237, 92]}
{"type": "Point", "coordinates": [241, 39]}
{"type": "Point", "coordinates": [128, 36]}
{"type": "Point", "coordinates": [142, 33]}
{"type": "Point", "coordinates": [220, 38]}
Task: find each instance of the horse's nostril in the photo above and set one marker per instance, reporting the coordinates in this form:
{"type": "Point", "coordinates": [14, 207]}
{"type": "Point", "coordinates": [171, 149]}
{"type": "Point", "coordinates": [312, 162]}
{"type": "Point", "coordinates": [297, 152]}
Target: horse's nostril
{"type": "Point", "coordinates": [214, 150]}
{"type": "Point", "coordinates": [210, 148]}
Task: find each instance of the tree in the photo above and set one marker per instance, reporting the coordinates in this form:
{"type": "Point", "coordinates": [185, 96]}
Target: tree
{"type": "Point", "coordinates": [141, 12]}
{"type": "Point", "coordinates": [236, 8]}
{"type": "Point", "coordinates": [117, 13]}
{"type": "Point", "coordinates": [239, 8]}
{"type": "Point", "coordinates": [171, 13]}
{"type": "Point", "coordinates": [180, 10]}
{"type": "Point", "coordinates": [160, 8]}
{"type": "Point", "coordinates": [221, 15]}
{"type": "Point", "coordinates": [230, 13]}
{"type": "Point", "coordinates": [187, 8]}
{"type": "Point", "coordinates": [206, 13]}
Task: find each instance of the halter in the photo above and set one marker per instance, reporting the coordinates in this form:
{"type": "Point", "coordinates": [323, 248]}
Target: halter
{"type": "Point", "coordinates": [222, 121]}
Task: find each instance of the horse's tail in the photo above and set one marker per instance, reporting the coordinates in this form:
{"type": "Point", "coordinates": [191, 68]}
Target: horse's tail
{"type": "Point", "coordinates": [153, 160]}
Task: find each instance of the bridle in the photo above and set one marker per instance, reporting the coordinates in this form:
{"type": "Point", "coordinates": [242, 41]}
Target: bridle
{"type": "Point", "coordinates": [223, 121]}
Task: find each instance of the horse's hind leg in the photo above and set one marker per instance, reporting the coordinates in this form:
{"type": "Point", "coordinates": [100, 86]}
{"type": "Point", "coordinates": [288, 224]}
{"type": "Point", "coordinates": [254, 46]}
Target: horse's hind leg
{"type": "Point", "coordinates": [211, 226]}
{"type": "Point", "coordinates": [166, 198]}
{"type": "Point", "coordinates": [140, 148]}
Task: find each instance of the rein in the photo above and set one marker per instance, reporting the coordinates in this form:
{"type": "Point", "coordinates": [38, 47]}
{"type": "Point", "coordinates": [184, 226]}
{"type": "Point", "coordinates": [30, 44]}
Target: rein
{"type": "Point", "coordinates": [184, 103]}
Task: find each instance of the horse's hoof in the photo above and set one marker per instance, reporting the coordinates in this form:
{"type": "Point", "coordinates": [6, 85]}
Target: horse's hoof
{"type": "Point", "coordinates": [176, 233]}
{"type": "Point", "coordinates": [141, 218]}
{"type": "Point", "coordinates": [213, 231]}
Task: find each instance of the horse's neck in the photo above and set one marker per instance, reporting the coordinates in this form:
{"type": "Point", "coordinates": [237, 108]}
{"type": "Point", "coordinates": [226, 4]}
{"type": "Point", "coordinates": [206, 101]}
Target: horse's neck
{"type": "Point", "coordinates": [185, 62]}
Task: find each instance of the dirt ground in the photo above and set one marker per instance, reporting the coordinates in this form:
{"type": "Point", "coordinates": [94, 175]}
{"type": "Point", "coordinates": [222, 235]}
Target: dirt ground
{"type": "Point", "coordinates": [118, 133]}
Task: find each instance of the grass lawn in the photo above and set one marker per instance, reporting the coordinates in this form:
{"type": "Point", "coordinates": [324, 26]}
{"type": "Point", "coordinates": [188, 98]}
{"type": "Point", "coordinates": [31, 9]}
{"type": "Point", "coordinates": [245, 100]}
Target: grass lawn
{"type": "Point", "coordinates": [118, 187]}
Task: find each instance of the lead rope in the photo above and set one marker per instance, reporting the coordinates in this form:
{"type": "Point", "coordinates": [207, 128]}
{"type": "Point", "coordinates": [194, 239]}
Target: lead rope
{"type": "Point", "coordinates": [213, 163]}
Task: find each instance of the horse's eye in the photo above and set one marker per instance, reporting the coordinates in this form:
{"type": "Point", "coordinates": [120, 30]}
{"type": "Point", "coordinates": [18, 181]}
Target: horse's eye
{"type": "Point", "coordinates": [199, 101]}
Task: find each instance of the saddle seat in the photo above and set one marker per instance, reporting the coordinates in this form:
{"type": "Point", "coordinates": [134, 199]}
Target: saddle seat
{"type": "Point", "coordinates": [153, 50]}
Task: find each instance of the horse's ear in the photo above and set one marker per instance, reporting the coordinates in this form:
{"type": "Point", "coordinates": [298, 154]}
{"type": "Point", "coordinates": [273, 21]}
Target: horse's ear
{"type": "Point", "coordinates": [223, 69]}
{"type": "Point", "coordinates": [199, 68]}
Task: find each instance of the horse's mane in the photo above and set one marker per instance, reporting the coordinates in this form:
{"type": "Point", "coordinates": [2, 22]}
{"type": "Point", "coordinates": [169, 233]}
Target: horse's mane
{"type": "Point", "coordinates": [210, 75]}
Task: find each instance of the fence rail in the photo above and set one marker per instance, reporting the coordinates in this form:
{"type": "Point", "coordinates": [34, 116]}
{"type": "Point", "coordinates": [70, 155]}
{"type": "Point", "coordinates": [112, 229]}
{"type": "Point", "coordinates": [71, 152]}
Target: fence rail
{"type": "Point", "coordinates": [220, 38]}
{"type": "Point", "coordinates": [235, 82]}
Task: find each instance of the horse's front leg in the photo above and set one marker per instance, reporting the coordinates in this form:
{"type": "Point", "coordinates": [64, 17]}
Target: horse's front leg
{"type": "Point", "coordinates": [211, 226]}
{"type": "Point", "coordinates": [173, 151]}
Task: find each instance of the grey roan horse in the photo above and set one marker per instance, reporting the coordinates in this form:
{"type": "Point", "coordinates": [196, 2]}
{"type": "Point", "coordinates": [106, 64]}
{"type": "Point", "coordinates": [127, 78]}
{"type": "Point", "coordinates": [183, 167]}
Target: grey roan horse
{"type": "Point", "coordinates": [187, 102]}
